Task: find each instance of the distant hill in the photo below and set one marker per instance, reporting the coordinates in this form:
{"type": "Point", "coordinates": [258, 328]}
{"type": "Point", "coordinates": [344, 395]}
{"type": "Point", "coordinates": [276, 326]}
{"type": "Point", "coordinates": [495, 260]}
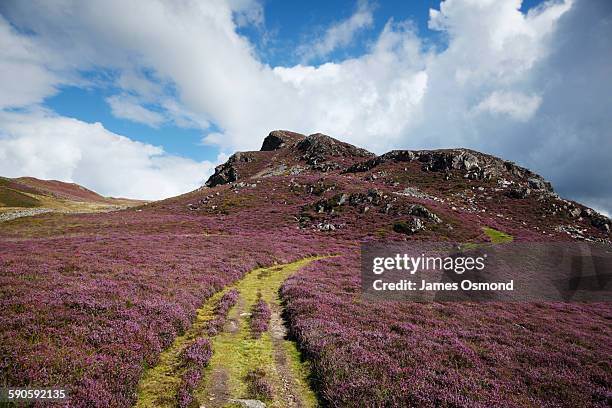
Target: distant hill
{"type": "Point", "coordinates": [29, 196]}
{"type": "Point", "coordinates": [64, 191]}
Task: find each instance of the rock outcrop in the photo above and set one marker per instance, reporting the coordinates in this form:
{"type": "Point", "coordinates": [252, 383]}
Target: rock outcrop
{"type": "Point", "coordinates": [319, 148]}
{"type": "Point", "coordinates": [277, 139]}
{"type": "Point", "coordinates": [420, 211]}
{"type": "Point", "coordinates": [228, 171]}
{"type": "Point", "coordinates": [320, 152]}
{"type": "Point", "coordinates": [409, 227]}
{"type": "Point", "coordinates": [473, 165]}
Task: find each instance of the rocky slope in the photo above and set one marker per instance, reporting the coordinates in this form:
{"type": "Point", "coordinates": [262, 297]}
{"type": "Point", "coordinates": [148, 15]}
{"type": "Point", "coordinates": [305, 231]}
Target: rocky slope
{"type": "Point", "coordinates": [340, 184]}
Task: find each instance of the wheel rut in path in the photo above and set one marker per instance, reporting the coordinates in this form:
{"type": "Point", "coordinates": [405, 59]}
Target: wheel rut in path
{"type": "Point", "coordinates": [236, 352]}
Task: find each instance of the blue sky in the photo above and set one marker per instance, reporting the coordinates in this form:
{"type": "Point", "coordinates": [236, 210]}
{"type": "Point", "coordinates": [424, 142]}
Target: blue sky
{"type": "Point", "coordinates": [287, 25]}
{"type": "Point", "coordinates": [89, 105]}
{"type": "Point", "coordinates": [144, 98]}
{"type": "Point", "coordinates": [293, 23]}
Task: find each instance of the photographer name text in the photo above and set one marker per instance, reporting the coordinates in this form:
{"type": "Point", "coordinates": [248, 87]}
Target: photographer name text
{"type": "Point", "coordinates": [413, 264]}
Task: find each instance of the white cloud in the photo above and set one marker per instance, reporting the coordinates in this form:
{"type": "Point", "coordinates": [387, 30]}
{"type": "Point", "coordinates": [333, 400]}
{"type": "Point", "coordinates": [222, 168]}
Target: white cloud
{"type": "Point", "coordinates": [128, 107]}
{"type": "Point", "coordinates": [247, 12]}
{"type": "Point", "coordinates": [137, 82]}
{"type": "Point", "coordinates": [554, 57]}
{"type": "Point", "coordinates": [362, 98]}
{"type": "Point", "coordinates": [183, 117]}
{"type": "Point", "coordinates": [533, 88]}
{"type": "Point", "coordinates": [24, 76]}
{"type": "Point", "coordinates": [41, 144]}
{"type": "Point", "coordinates": [340, 34]}
{"type": "Point", "coordinates": [514, 104]}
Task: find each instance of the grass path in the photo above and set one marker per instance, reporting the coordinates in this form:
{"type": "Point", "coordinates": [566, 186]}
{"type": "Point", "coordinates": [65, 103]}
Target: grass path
{"type": "Point", "coordinates": [236, 352]}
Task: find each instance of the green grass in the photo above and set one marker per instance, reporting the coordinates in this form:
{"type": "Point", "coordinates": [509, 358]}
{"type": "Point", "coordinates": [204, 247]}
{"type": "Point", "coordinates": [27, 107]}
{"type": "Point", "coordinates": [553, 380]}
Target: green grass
{"type": "Point", "coordinates": [497, 237]}
{"type": "Point", "coordinates": [14, 198]}
{"type": "Point", "coordinates": [235, 352]}
{"type": "Point", "coordinates": [302, 370]}
{"type": "Point", "coordinates": [157, 387]}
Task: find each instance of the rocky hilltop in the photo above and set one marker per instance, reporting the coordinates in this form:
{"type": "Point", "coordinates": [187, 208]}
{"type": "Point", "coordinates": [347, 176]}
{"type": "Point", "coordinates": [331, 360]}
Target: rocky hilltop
{"type": "Point", "coordinates": [342, 183]}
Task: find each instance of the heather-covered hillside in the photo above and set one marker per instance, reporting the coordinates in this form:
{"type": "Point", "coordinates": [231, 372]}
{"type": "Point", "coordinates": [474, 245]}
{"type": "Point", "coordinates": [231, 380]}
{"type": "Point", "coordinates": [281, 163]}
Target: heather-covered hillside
{"type": "Point", "coordinates": [26, 196]}
{"type": "Point", "coordinates": [91, 301]}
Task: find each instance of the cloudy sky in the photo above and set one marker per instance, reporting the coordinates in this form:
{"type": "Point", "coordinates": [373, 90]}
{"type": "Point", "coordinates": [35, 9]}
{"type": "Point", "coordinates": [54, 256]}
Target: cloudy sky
{"type": "Point", "coordinates": [142, 98]}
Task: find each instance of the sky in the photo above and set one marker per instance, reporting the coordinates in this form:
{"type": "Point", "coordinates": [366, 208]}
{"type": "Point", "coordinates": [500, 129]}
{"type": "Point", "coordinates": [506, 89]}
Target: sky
{"type": "Point", "coordinates": [142, 99]}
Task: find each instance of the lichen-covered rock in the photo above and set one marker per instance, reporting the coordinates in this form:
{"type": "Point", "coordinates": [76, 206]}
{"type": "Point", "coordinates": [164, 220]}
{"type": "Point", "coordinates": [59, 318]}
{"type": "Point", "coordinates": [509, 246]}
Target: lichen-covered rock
{"type": "Point", "coordinates": [330, 204]}
{"type": "Point", "coordinates": [228, 172]}
{"type": "Point", "coordinates": [278, 139]}
{"type": "Point", "coordinates": [318, 148]}
{"type": "Point", "coordinates": [248, 403]}
{"type": "Point", "coordinates": [409, 227]}
{"type": "Point", "coordinates": [601, 222]}
{"type": "Point", "coordinates": [448, 160]}
{"type": "Point", "coordinates": [474, 165]}
{"type": "Point", "coordinates": [420, 211]}
{"type": "Point", "coordinates": [598, 220]}
{"type": "Point", "coordinates": [224, 173]}
{"type": "Point", "coordinates": [317, 188]}
{"type": "Point", "coordinates": [372, 197]}
{"type": "Point", "coordinates": [518, 192]}
{"type": "Point", "coordinates": [537, 183]}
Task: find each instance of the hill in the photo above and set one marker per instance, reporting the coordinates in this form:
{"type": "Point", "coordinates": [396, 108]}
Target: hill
{"type": "Point", "coordinates": [25, 196]}
{"type": "Point", "coordinates": [347, 190]}
{"type": "Point", "coordinates": [182, 302]}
